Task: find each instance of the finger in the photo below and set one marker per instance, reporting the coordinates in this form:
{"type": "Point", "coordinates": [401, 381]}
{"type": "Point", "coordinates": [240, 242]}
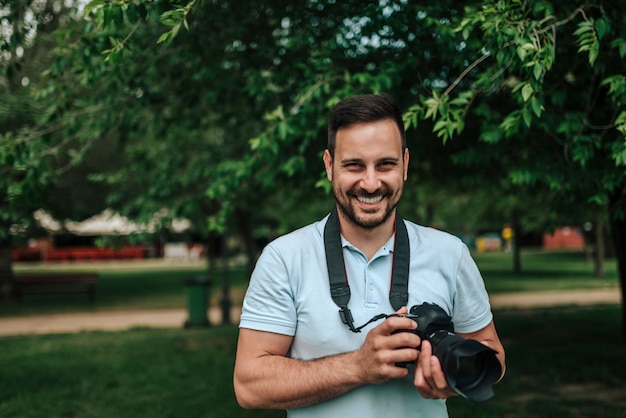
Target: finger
{"type": "Point", "coordinates": [394, 324]}
{"type": "Point", "coordinates": [436, 381]}
{"type": "Point", "coordinates": [402, 311]}
{"type": "Point", "coordinates": [423, 387]}
{"type": "Point", "coordinates": [405, 356]}
{"type": "Point", "coordinates": [438, 377]}
{"type": "Point", "coordinates": [420, 381]}
{"type": "Point", "coordinates": [439, 384]}
{"type": "Point", "coordinates": [425, 359]}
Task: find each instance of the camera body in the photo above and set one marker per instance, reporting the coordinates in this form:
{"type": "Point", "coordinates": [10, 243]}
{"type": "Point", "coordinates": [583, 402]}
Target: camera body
{"type": "Point", "coordinates": [469, 366]}
{"type": "Point", "coordinates": [432, 321]}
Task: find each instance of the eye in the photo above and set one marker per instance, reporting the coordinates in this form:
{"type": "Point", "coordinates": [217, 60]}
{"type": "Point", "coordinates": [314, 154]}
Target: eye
{"type": "Point", "coordinates": [388, 164]}
{"type": "Point", "coordinates": [352, 165]}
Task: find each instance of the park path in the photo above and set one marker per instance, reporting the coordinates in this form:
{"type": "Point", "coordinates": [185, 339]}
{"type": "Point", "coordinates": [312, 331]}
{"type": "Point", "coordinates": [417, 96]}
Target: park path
{"type": "Point", "coordinates": [175, 318]}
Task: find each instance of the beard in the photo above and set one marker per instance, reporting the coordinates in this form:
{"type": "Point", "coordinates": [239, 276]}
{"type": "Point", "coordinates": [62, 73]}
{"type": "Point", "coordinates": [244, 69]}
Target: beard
{"type": "Point", "coordinates": [344, 202]}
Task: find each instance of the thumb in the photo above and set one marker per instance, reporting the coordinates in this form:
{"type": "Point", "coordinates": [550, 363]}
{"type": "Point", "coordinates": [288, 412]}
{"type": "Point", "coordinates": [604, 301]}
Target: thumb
{"type": "Point", "coordinates": [402, 311]}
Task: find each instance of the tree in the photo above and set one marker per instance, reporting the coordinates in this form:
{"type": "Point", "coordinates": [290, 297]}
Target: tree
{"type": "Point", "coordinates": [252, 85]}
{"type": "Point", "coordinates": [243, 84]}
{"type": "Point", "coordinates": [547, 80]}
{"type": "Point", "coordinates": [29, 157]}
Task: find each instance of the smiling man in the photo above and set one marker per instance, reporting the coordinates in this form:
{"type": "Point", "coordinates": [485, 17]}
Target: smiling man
{"type": "Point", "coordinates": [299, 348]}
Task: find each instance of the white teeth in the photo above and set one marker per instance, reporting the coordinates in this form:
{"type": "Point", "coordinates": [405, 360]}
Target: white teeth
{"type": "Point", "coordinates": [370, 200]}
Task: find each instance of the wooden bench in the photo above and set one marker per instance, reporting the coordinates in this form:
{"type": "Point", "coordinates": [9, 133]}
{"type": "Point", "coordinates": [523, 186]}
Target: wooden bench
{"type": "Point", "coordinates": [57, 283]}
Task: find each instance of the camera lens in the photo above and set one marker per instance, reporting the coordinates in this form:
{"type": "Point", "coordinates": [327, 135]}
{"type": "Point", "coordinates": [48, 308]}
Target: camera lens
{"type": "Point", "coordinates": [467, 369]}
{"type": "Point", "coordinates": [470, 367]}
{"type": "Point", "coordinates": [471, 370]}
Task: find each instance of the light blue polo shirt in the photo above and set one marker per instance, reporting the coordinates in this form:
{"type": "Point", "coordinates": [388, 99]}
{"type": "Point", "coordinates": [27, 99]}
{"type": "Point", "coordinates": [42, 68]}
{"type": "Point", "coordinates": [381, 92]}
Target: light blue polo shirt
{"type": "Point", "coordinates": [289, 293]}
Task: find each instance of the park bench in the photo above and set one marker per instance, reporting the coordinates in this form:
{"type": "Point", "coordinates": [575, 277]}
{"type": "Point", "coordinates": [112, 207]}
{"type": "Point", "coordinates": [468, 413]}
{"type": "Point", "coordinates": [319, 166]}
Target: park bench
{"type": "Point", "coordinates": [57, 283]}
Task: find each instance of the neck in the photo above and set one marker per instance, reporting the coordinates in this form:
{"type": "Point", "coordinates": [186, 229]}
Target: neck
{"type": "Point", "coordinates": [368, 240]}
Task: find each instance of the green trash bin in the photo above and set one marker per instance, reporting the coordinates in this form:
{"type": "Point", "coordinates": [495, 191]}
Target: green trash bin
{"type": "Point", "coordinates": [197, 302]}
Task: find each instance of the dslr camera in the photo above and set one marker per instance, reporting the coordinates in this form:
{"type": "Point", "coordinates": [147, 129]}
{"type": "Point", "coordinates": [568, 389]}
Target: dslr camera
{"type": "Point", "coordinates": [470, 367]}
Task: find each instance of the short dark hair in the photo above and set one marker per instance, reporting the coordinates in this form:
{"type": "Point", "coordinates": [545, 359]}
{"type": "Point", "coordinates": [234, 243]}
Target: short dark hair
{"type": "Point", "coordinates": [363, 108]}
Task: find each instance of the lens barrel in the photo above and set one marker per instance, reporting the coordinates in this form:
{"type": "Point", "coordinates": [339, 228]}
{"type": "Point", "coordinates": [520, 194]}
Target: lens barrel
{"type": "Point", "coordinates": [469, 366]}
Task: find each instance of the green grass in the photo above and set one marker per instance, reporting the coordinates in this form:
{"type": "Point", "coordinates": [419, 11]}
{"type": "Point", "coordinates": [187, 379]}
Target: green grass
{"type": "Point", "coordinates": [561, 362]}
{"type": "Point", "coordinates": [543, 270]}
{"type": "Point", "coordinates": [569, 363]}
{"type": "Point", "coordinates": [132, 285]}
{"type": "Point", "coordinates": [136, 373]}
{"type": "Point", "coordinates": [565, 362]}
{"type": "Point", "coordinates": [153, 284]}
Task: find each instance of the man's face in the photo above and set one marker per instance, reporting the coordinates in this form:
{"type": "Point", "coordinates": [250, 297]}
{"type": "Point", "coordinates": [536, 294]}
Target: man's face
{"type": "Point", "coordinates": [368, 171]}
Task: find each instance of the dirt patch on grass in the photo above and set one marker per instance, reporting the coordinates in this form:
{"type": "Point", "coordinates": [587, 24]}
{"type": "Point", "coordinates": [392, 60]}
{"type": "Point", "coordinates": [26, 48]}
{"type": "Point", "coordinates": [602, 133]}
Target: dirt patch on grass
{"type": "Point", "coordinates": [596, 392]}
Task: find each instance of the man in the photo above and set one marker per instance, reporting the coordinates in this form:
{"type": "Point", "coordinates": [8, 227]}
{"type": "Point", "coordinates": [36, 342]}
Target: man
{"type": "Point", "coordinates": [296, 352]}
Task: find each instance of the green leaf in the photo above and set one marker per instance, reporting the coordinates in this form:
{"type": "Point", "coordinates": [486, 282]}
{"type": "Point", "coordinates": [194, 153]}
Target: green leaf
{"type": "Point", "coordinates": [168, 22]}
{"type": "Point", "coordinates": [462, 99]}
{"type": "Point", "coordinates": [527, 116]}
{"type": "Point", "coordinates": [283, 129]}
{"type": "Point", "coordinates": [620, 44]}
{"type": "Point", "coordinates": [449, 131]}
{"type": "Point", "coordinates": [620, 123]}
{"type": "Point", "coordinates": [537, 71]}
{"type": "Point", "coordinates": [93, 5]}
{"type": "Point", "coordinates": [593, 52]}
{"type": "Point", "coordinates": [527, 91]}
{"type": "Point", "coordinates": [164, 37]}
{"type": "Point", "coordinates": [510, 124]}
{"type": "Point", "coordinates": [536, 106]}
{"type": "Point", "coordinates": [432, 105]}
{"type": "Point", "coordinates": [584, 28]}
{"type": "Point", "coordinates": [602, 27]}
{"type": "Point", "coordinates": [255, 143]}
{"type": "Point", "coordinates": [620, 157]}
{"type": "Point", "coordinates": [441, 125]}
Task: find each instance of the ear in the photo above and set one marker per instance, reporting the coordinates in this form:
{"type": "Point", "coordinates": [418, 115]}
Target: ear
{"type": "Point", "coordinates": [406, 163]}
{"type": "Point", "coordinates": [328, 164]}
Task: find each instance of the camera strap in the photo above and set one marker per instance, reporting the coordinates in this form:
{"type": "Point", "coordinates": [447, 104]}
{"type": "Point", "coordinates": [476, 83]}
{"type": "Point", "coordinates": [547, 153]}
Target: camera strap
{"type": "Point", "coordinates": [339, 285]}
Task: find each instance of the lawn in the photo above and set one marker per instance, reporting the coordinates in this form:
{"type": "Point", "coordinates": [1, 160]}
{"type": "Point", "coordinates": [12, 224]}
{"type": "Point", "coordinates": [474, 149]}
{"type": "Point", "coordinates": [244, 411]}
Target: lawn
{"type": "Point", "coordinates": [156, 284]}
{"type": "Point", "coordinates": [561, 363]}
{"type": "Point", "coordinates": [565, 362]}
{"type": "Point", "coordinates": [126, 285]}
{"type": "Point", "coordinates": [543, 270]}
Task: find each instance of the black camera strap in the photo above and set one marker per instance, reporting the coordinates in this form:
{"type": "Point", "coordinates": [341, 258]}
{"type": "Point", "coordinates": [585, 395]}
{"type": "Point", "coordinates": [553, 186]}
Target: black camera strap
{"type": "Point", "coordinates": [339, 285]}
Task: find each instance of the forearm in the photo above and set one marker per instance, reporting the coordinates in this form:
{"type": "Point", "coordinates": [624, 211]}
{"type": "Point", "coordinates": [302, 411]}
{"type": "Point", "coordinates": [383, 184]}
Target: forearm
{"type": "Point", "coordinates": [278, 382]}
{"type": "Point", "coordinates": [489, 337]}
{"type": "Point", "coordinates": [266, 378]}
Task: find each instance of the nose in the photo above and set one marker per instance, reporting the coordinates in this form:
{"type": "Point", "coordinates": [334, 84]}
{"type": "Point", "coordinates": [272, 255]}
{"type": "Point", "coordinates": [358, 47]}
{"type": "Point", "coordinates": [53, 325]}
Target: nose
{"type": "Point", "coordinates": [370, 181]}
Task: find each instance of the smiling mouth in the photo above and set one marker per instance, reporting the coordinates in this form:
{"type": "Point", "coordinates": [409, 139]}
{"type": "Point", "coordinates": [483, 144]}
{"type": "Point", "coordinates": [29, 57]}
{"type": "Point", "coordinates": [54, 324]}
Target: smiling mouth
{"type": "Point", "coordinates": [370, 200]}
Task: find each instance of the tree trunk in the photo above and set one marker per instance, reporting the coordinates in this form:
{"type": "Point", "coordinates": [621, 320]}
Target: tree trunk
{"type": "Point", "coordinates": [517, 250]}
{"type": "Point", "coordinates": [600, 253]}
{"type": "Point", "coordinates": [7, 279]}
{"type": "Point", "coordinates": [226, 301]}
{"type": "Point", "coordinates": [619, 240]}
{"type": "Point", "coordinates": [246, 232]}
{"type": "Point", "coordinates": [213, 253]}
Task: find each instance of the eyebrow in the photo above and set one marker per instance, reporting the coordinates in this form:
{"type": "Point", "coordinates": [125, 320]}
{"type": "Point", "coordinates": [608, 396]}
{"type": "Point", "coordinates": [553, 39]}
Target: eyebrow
{"type": "Point", "coordinates": [351, 160]}
{"type": "Point", "coordinates": [360, 160]}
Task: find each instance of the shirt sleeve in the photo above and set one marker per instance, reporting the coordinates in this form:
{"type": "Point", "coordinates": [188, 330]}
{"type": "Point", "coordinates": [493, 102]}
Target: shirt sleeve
{"type": "Point", "coordinates": [472, 311]}
{"type": "Point", "coordinates": [269, 301]}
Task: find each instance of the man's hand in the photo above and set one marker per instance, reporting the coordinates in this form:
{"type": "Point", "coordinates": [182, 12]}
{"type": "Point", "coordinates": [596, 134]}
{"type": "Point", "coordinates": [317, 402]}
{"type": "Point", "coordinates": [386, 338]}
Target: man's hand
{"type": "Point", "coordinates": [384, 347]}
{"type": "Point", "coordinates": [429, 378]}
{"type": "Point", "coordinates": [266, 378]}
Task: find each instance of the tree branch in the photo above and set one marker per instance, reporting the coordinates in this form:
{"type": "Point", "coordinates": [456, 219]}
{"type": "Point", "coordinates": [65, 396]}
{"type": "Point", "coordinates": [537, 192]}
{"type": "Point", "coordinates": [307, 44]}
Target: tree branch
{"type": "Point", "coordinates": [465, 72]}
